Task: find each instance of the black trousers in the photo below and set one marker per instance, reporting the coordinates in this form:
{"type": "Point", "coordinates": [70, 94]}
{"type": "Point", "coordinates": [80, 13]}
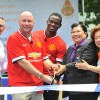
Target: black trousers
{"type": "Point", "coordinates": [84, 96]}
{"type": "Point", "coordinates": [50, 95]}
{"type": "Point", "coordinates": [1, 96]}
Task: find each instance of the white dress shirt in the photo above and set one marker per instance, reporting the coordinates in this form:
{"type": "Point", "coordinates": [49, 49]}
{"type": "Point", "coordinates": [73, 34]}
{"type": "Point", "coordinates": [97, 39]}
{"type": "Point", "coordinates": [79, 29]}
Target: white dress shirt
{"type": "Point", "coordinates": [3, 64]}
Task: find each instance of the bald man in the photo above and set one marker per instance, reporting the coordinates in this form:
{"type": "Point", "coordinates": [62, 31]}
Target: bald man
{"type": "Point", "coordinates": [26, 55]}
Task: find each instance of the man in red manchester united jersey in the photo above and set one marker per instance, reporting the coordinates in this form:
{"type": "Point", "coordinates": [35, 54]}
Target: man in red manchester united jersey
{"type": "Point", "coordinates": [26, 55]}
{"type": "Point", "coordinates": [55, 48]}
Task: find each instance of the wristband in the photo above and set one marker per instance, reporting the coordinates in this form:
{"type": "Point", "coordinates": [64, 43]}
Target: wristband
{"type": "Point", "coordinates": [40, 75]}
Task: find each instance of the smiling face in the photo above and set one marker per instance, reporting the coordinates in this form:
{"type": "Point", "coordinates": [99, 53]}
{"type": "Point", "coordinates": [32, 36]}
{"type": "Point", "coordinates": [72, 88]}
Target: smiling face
{"type": "Point", "coordinates": [78, 35]}
{"type": "Point", "coordinates": [53, 24]}
{"type": "Point", "coordinates": [97, 38]}
{"type": "Point", "coordinates": [26, 23]}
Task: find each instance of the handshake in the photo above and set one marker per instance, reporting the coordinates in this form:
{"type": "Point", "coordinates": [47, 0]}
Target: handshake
{"type": "Point", "coordinates": [59, 69]}
{"type": "Point", "coordinates": [54, 79]}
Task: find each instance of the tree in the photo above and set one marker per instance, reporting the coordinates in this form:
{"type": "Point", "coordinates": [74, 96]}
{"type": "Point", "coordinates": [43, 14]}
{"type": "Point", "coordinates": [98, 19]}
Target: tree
{"type": "Point", "coordinates": [92, 11]}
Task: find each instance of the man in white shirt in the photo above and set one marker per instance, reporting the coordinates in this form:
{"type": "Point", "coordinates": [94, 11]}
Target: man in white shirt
{"type": "Point", "coordinates": [2, 55]}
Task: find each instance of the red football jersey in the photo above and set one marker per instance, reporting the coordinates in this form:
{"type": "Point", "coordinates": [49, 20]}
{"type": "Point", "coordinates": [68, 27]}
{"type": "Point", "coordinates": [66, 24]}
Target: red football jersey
{"type": "Point", "coordinates": [19, 47]}
{"type": "Point", "coordinates": [55, 48]}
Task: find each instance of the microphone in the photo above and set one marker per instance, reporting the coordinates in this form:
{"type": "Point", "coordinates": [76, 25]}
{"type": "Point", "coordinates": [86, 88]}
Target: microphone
{"type": "Point", "coordinates": [31, 42]}
{"type": "Point", "coordinates": [45, 39]}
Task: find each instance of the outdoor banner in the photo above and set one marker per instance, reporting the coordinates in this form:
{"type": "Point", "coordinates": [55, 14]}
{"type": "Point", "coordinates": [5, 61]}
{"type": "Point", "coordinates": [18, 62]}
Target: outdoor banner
{"type": "Point", "coordinates": [41, 9]}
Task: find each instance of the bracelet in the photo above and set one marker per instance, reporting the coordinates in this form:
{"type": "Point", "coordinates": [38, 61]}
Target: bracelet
{"type": "Point", "coordinates": [40, 75]}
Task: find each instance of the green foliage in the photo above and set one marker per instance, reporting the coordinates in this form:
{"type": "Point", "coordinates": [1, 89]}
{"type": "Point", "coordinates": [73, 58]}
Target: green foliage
{"type": "Point", "coordinates": [92, 10]}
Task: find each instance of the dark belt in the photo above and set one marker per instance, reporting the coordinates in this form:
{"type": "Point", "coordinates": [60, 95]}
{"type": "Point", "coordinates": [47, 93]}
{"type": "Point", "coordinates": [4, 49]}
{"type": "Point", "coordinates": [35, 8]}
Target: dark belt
{"type": "Point", "coordinates": [0, 82]}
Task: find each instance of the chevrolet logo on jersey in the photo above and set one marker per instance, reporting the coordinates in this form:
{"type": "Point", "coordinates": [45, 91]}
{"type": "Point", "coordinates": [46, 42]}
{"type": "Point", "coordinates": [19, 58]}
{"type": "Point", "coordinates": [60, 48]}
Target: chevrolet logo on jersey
{"type": "Point", "coordinates": [35, 55]}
